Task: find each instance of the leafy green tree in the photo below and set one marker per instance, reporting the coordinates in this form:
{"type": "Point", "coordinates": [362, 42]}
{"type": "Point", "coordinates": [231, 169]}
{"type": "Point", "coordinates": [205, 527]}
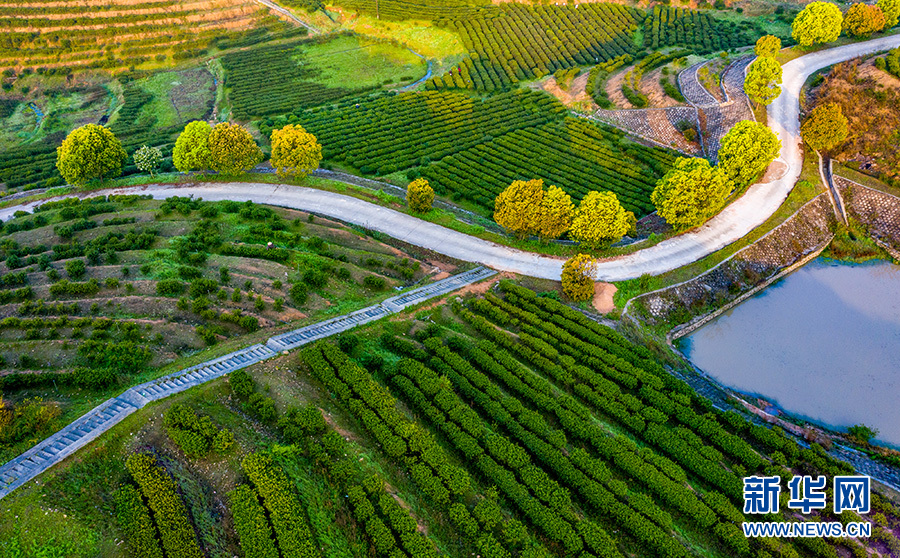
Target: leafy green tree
{"type": "Point", "coordinates": [763, 81]}
{"type": "Point", "coordinates": [233, 151]}
{"type": "Point", "coordinates": [600, 220]}
{"type": "Point", "coordinates": [578, 277]}
{"type": "Point", "coordinates": [518, 207]}
{"type": "Point", "coordinates": [419, 196]}
{"type": "Point", "coordinates": [91, 152]}
{"type": "Point", "coordinates": [891, 11]}
{"type": "Point", "coordinates": [556, 213]}
{"type": "Point", "coordinates": [818, 22]}
{"type": "Point", "coordinates": [861, 20]}
{"type": "Point", "coordinates": [690, 193]}
{"type": "Point", "coordinates": [191, 152]}
{"type": "Point", "coordinates": [746, 151]}
{"type": "Point", "coordinates": [148, 159]}
{"type": "Point", "coordinates": [826, 127]}
{"type": "Point", "coordinates": [767, 46]}
{"type": "Point", "coordinates": [295, 152]}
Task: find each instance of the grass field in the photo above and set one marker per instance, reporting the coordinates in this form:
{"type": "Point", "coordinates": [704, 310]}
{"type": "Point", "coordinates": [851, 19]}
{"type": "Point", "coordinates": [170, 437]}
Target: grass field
{"type": "Point", "coordinates": [349, 59]}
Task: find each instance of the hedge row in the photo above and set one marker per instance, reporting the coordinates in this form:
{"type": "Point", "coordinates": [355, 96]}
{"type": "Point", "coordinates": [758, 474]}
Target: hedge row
{"type": "Point", "coordinates": [285, 510]}
{"type": "Point", "coordinates": [493, 455]}
{"type": "Point", "coordinates": [376, 409]}
{"type": "Point", "coordinates": [253, 93]}
{"type": "Point", "coordinates": [631, 510]}
{"type": "Point", "coordinates": [194, 434]}
{"type": "Point", "coordinates": [391, 529]}
{"type": "Point", "coordinates": [699, 31]}
{"type": "Point", "coordinates": [171, 516]}
{"type": "Point", "coordinates": [514, 42]}
{"type": "Point", "coordinates": [134, 520]}
{"type": "Point", "coordinates": [596, 82]}
{"type": "Point", "coordinates": [577, 155]}
{"type": "Point", "coordinates": [250, 523]}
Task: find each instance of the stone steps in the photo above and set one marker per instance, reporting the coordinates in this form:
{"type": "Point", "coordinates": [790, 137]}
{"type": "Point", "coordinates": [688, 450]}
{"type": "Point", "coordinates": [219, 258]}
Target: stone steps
{"type": "Point", "coordinates": [86, 428]}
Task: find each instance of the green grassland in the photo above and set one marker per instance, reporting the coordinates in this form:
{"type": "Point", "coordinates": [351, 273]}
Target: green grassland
{"type": "Point", "coordinates": [366, 62]}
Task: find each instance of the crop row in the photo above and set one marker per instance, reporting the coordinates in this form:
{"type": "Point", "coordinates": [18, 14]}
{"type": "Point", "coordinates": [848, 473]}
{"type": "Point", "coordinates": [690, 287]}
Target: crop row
{"type": "Point", "coordinates": [500, 461]}
{"type": "Point", "coordinates": [596, 82]}
{"type": "Point", "coordinates": [134, 520]}
{"type": "Point", "coordinates": [631, 84]}
{"type": "Point", "coordinates": [392, 530]}
{"type": "Point", "coordinates": [254, 93]}
{"type": "Point", "coordinates": [415, 9]}
{"type": "Point", "coordinates": [699, 31]}
{"type": "Point", "coordinates": [513, 42]}
{"type": "Point", "coordinates": [375, 408]}
{"type": "Point", "coordinates": [251, 524]}
{"type": "Point", "coordinates": [286, 514]}
{"type": "Point", "coordinates": [169, 512]}
{"type": "Point", "coordinates": [661, 477]}
{"type": "Point", "coordinates": [395, 132]}
{"type": "Point", "coordinates": [480, 173]}
{"type": "Point", "coordinates": [442, 483]}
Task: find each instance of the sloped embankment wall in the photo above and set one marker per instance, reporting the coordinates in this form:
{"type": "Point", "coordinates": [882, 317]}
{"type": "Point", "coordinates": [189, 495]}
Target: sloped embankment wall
{"type": "Point", "coordinates": [877, 211]}
{"type": "Point", "coordinates": [690, 304]}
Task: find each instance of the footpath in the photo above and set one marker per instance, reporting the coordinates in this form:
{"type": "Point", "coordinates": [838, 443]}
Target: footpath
{"type": "Point", "coordinates": [89, 426]}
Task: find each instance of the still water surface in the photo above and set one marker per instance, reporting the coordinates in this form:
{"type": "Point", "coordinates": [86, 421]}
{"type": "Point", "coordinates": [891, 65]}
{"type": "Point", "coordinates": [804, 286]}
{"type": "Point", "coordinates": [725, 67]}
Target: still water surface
{"type": "Point", "coordinates": [823, 343]}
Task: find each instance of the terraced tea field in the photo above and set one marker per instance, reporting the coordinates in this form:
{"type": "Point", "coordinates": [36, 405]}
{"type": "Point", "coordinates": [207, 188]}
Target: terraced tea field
{"type": "Point", "coordinates": [99, 294]}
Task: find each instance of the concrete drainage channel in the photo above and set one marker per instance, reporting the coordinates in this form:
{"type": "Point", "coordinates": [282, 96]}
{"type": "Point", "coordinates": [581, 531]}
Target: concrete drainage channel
{"type": "Point", "coordinates": [88, 427]}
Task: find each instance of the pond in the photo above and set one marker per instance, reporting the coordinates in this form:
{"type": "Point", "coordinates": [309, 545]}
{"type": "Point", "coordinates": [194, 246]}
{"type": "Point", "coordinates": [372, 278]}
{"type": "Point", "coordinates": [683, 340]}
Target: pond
{"type": "Point", "coordinates": [822, 343]}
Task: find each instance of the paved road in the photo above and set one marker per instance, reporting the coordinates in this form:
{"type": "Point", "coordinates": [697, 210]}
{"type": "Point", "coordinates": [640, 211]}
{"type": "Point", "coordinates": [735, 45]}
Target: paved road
{"type": "Point", "coordinates": [89, 426]}
{"type": "Point", "coordinates": [751, 210]}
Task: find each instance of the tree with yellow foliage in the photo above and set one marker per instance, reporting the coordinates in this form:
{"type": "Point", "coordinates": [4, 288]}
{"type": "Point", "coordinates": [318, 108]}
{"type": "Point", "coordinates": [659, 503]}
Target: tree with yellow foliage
{"type": "Point", "coordinates": [419, 196]}
{"type": "Point", "coordinates": [767, 45]}
{"type": "Point", "coordinates": [578, 277]}
{"type": "Point", "coordinates": [861, 20]}
{"type": "Point", "coordinates": [295, 152]}
{"type": "Point", "coordinates": [690, 193]}
{"type": "Point", "coordinates": [91, 152]}
{"type": "Point", "coordinates": [556, 213]}
{"type": "Point", "coordinates": [233, 151]}
{"type": "Point", "coordinates": [518, 208]}
{"type": "Point", "coordinates": [600, 220]}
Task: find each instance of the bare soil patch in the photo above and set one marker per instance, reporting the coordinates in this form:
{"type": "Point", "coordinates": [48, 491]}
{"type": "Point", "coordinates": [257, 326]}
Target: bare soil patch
{"type": "Point", "coordinates": [603, 297]}
{"type": "Point", "coordinates": [653, 90]}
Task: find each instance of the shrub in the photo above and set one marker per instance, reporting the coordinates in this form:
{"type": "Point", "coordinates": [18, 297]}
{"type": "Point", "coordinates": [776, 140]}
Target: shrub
{"type": "Point", "coordinates": [374, 282]}
{"type": "Point", "coordinates": [250, 523]}
{"type": "Point", "coordinates": [75, 269]}
{"type": "Point", "coordinates": [134, 519]}
{"type": "Point", "coordinates": [299, 293]}
{"type": "Point", "coordinates": [169, 287]}
{"type": "Point", "coordinates": [176, 532]}
{"type": "Point", "coordinates": [241, 383]}
{"type": "Point", "coordinates": [202, 287]}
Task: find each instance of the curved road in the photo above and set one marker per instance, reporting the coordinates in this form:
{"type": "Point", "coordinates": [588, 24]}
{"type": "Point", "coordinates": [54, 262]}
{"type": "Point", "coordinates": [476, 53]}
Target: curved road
{"type": "Point", "coordinates": [748, 212]}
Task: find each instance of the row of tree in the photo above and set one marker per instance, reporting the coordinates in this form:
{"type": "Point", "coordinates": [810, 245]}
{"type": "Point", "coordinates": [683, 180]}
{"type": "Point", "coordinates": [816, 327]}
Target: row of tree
{"type": "Point", "coordinates": [525, 208]}
{"type": "Point", "coordinates": [822, 22]}
{"type": "Point", "coordinates": [93, 152]}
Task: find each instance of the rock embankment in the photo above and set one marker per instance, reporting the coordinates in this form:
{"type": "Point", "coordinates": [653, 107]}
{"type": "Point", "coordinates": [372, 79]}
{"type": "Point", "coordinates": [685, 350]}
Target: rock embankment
{"type": "Point", "coordinates": [690, 304]}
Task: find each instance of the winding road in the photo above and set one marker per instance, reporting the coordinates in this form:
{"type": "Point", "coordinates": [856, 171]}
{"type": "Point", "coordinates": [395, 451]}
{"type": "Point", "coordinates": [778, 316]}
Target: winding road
{"type": "Point", "coordinates": [748, 212]}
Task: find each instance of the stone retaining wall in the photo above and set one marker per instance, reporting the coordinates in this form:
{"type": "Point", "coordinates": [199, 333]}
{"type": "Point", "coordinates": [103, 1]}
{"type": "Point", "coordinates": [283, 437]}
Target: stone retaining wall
{"type": "Point", "coordinates": [800, 238]}
{"type": "Point", "coordinates": [877, 211]}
